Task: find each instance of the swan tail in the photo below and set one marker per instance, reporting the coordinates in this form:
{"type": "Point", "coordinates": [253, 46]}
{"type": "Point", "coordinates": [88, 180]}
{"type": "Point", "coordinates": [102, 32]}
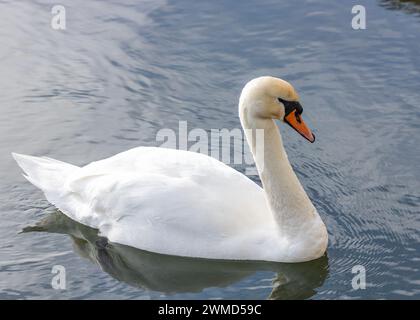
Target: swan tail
{"type": "Point", "coordinates": [45, 173]}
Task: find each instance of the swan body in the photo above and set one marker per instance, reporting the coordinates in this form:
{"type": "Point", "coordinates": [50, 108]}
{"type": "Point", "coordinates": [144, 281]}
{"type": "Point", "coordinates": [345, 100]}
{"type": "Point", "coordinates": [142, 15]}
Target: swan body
{"type": "Point", "coordinates": [188, 204]}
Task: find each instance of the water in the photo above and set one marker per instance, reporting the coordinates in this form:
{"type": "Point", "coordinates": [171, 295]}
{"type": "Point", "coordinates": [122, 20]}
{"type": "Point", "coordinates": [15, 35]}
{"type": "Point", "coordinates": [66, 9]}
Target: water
{"type": "Point", "coordinates": [122, 70]}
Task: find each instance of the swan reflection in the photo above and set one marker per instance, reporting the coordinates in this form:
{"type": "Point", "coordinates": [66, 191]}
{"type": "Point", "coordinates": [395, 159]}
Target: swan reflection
{"type": "Point", "coordinates": [171, 274]}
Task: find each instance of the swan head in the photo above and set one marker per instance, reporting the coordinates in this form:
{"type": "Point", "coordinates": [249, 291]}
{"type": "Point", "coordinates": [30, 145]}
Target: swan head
{"type": "Point", "coordinates": [267, 98]}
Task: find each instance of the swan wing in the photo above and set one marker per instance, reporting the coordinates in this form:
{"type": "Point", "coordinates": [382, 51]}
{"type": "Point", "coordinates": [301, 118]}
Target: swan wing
{"type": "Point", "coordinates": [167, 201]}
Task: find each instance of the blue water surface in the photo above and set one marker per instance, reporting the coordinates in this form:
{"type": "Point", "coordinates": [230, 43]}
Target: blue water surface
{"type": "Point", "coordinates": [123, 70]}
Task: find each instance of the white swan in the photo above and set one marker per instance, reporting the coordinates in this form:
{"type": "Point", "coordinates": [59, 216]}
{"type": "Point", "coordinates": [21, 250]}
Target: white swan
{"type": "Point", "coordinates": [188, 204]}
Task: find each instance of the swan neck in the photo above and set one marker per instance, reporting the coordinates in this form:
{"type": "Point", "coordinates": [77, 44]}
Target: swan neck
{"type": "Point", "coordinates": [286, 197]}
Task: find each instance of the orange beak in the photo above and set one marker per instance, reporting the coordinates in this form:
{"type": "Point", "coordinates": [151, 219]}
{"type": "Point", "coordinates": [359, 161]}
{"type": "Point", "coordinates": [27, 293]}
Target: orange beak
{"type": "Point", "coordinates": [295, 120]}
